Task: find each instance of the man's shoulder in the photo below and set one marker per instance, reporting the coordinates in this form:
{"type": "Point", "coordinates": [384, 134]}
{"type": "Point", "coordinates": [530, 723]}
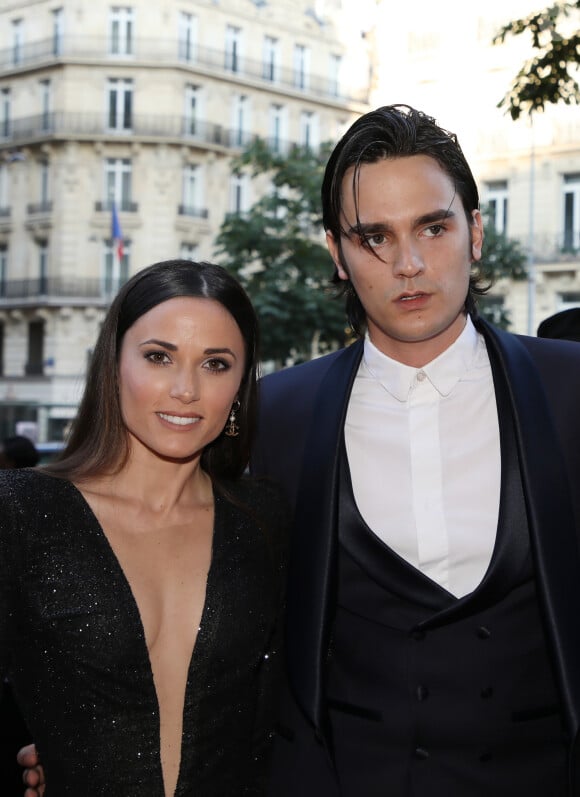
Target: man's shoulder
{"type": "Point", "coordinates": [311, 370]}
{"type": "Point", "coordinates": [538, 348]}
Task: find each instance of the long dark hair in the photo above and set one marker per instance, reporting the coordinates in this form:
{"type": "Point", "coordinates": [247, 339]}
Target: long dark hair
{"type": "Point", "coordinates": [394, 131]}
{"type": "Point", "coordinates": [98, 442]}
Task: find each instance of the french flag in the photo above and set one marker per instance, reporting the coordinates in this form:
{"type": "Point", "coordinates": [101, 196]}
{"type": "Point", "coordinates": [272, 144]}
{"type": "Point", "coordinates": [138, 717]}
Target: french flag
{"type": "Point", "coordinates": [116, 234]}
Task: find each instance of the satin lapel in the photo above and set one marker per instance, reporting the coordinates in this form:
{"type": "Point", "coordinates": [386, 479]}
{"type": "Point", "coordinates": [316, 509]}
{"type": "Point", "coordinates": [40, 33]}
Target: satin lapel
{"type": "Point", "coordinates": [553, 533]}
{"type": "Point", "coordinates": [313, 558]}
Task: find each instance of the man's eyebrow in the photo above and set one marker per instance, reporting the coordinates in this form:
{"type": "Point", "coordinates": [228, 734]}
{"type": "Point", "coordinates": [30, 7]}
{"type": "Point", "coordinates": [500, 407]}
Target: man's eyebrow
{"type": "Point", "coordinates": [435, 215]}
{"type": "Point", "coordinates": [364, 230]}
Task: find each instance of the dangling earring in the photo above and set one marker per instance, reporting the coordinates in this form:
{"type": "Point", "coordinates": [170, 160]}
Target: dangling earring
{"type": "Point", "coordinates": [232, 428]}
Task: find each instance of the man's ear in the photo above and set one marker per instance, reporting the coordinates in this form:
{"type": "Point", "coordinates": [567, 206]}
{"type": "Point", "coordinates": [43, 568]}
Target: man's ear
{"type": "Point", "coordinates": [334, 250]}
{"type": "Point", "coordinates": [476, 235]}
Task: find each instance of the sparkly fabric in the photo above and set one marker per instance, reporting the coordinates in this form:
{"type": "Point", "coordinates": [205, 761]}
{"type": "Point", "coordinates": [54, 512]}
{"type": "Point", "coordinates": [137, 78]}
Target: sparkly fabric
{"type": "Point", "coordinates": [72, 642]}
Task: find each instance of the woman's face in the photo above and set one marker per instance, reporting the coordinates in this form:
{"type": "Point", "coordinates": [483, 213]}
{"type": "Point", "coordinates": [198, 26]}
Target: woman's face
{"type": "Point", "coordinates": [180, 369]}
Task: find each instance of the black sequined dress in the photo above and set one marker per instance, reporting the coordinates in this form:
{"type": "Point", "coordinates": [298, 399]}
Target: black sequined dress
{"type": "Point", "coordinates": [73, 646]}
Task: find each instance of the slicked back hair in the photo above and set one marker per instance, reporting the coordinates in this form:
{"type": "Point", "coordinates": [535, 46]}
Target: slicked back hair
{"type": "Point", "coordinates": [393, 131]}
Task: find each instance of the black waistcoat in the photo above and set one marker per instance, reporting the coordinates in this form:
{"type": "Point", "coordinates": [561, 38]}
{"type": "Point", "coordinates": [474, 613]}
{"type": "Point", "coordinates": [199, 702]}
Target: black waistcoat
{"type": "Point", "coordinates": [434, 695]}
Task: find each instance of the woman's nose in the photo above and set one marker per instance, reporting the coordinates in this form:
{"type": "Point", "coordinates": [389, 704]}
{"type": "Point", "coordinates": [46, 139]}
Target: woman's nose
{"type": "Point", "coordinates": [185, 388]}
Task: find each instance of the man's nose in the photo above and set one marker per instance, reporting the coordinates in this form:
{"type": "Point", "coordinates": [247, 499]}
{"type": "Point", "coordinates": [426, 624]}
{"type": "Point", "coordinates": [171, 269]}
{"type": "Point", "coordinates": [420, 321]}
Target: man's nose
{"type": "Point", "coordinates": [408, 261]}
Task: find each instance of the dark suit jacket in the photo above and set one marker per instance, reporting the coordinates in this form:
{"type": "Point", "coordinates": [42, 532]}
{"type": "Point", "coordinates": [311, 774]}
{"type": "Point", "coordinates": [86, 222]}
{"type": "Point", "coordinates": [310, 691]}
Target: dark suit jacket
{"type": "Point", "coordinates": [300, 432]}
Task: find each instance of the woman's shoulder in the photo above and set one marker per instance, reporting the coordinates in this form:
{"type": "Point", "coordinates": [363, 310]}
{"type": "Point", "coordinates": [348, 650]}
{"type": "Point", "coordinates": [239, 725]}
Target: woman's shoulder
{"type": "Point", "coordinates": [29, 485]}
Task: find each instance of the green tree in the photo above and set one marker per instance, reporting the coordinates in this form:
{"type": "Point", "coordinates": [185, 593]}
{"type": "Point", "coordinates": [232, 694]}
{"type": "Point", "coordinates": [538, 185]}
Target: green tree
{"type": "Point", "coordinates": [549, 75]}
{"type": "Point", "coordinates": [277, 251]}
{"type": "Point", "coordinates": [501, 257]}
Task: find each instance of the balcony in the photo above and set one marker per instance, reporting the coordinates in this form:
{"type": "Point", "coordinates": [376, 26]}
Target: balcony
{"type": "Point", "coordinates": [54, 291]}
{"type": "Point", "coordinates": [124, 206]}
{"type": "Point", "coordinates": [193, 212]}
{"type": "Point", "coordinates": [172, 53]}
{"type": "Point", "coordinates": [91, 126]}
{"type": "Point", "coordinates": [39, 208]}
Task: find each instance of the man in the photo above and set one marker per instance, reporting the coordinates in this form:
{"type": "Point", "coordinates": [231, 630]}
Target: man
{"type": "Point", "coordinates": [434, 596]}
{"type": "Point", "coordinates": [564, 325]}
{"type": "Point", "coordinates": [433, 641]}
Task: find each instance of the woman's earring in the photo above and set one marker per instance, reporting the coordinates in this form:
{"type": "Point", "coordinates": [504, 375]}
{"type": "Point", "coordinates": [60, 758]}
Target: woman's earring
{"type": "Point", "coordinates": [232, 428]}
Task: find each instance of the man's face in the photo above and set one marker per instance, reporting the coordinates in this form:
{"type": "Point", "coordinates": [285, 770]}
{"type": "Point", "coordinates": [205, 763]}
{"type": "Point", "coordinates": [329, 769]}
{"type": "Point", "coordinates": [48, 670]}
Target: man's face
{"type": "Point", "coordinates": [414, 282]}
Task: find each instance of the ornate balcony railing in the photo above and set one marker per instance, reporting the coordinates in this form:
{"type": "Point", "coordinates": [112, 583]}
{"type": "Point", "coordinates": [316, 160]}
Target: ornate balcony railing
{"type": "Point", "coordinates": [172, 52]}
{"type": "Point", "coordinates": [55, 290]}
{"type": "Point", "coordinates": [189, 210]}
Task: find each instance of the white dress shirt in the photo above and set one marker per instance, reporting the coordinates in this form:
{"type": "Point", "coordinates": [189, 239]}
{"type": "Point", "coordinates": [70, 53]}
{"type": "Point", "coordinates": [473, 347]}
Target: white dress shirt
{"type": "Point", "coordinates": [424, 456]}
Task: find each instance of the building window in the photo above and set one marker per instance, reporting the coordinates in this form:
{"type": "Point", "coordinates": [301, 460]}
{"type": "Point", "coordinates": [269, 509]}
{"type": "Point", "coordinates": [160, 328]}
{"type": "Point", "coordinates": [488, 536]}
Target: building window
{"type": "Point", "coordinates": [240, 120]}
{"type": "Point", "coordinates": [4, 190]}
{"type": "Point", "coordinates": [5, 113]}
{"type": "Point", "coordinates": [57, 30]}
{"type": "Point", "coordinates": [17, 37]}
{"type": "Point", "coordinates": [120, 105]}
{"type": "Point", "coordinates": [118, 173]}
{"type": "Point", "coordinates": [334, 74]}
{"type": "Point", "coordinates": [191, 192]}
{"type": "Point", "coordinates": [301, 66]}
{"type": "Point", "coordinates": [239, 193]}
{"type": "Point", "coordinates": [233, 48]}
{"type": "Point", "coordinates": [309, 137]}
{"type": "Point", "coordinates": [568, 300]}
{"type": "Point", "coordinates": [44, 184]}
{"type": "Point", "coordinates": [121, 31]}
{"type": "Point", "coordinates": [115, 268]}
{"type": "Point", "coordinates": [45, 104]}
{"type": "Point", "coordinates": [187, 36]}
{"type": "Point", "coordinates": [35, 359]}
{"type": "Point", "coordinates": [42, 268]}
{"type": "Point", "coordinates": [271, 55]}
{"type": "Point", "coordinates": [189, 252]}
{"type": "Point", "coordinates": [3, 269]}
{"type": "Point", "coordinates": [496, 193]}
{"type": "Point", "coordinates": [277, 128]}
{"type": "Point", "coordinates": [192, 109]}
{"type": "Point", "coordinates": [571, 237]}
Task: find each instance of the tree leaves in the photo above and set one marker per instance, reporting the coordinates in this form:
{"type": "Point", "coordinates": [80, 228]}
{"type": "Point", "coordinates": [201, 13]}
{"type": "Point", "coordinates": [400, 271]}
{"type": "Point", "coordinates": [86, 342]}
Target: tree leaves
{"type": "Point", "coordinates": [277, 251]}
{"type": "Point", "coordinates": [547, 77]}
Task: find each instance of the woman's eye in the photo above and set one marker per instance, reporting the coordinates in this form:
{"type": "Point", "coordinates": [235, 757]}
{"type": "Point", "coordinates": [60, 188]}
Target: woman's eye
{"type": "Point", "coordinates": [217, 365]}
{"type": "Point", "coordinates": [157, 357]}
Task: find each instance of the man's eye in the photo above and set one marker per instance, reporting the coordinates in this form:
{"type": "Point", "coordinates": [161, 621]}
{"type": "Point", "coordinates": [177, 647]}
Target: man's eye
{"type": "Point", "coordinates": [434, 230]}
{"type": "Point", "coordinates": [375, 240]}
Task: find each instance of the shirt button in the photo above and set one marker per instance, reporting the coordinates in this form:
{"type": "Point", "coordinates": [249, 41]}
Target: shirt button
{"type": "Point", "coordinates": [421, 753]}
{"type": "Point", "coordinates": [421, 375]}
{"type": "Point", "coordinates": [483, 632]}
{"type": "Point", "coordinates": [422, 693]}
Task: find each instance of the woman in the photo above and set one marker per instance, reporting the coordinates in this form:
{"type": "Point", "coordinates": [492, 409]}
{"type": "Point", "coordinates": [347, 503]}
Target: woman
{"type": "Point", "coordinates": [141, 574]}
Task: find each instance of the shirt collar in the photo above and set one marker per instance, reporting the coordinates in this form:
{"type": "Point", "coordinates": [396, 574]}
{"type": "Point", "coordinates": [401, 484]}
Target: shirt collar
{"type": "Point", "coordinates": [444, 372]}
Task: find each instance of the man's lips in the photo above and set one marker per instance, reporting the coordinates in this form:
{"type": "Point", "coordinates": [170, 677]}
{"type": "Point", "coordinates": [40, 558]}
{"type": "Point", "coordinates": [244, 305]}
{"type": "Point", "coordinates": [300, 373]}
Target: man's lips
{"type": "Point", "coordinates": [411, 297]}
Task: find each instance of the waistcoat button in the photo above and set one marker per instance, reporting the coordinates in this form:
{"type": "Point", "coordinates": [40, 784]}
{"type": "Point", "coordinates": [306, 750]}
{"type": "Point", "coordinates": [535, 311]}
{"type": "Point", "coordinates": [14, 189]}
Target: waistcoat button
{"type": "Point", "coordinates": [422, 693]}
{"type": "Point", "coordinates": [421, 753]}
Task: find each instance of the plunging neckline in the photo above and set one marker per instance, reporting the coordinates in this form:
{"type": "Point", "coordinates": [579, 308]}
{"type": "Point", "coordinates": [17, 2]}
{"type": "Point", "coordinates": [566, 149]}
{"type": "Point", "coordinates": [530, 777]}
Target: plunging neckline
{"type": "Point", "coordinates": [207, 623]}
